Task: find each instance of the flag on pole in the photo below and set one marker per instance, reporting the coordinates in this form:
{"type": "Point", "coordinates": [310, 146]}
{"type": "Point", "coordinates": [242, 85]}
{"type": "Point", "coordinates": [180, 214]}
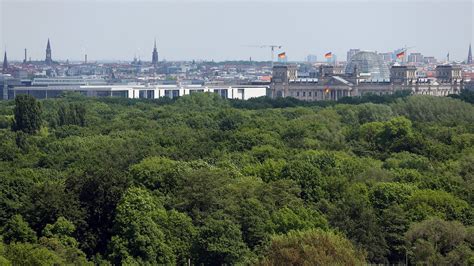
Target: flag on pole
{"type": "Point", "coordinates": [401, 54]}
{"type": "Point", "coordinates": [328, 55]}
{"type": "Point", "coordinates": [282, 55]}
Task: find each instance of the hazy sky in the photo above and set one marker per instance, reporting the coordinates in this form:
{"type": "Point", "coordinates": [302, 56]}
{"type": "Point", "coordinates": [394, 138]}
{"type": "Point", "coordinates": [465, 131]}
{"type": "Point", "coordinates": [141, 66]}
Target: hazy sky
{"type": "Point", "coordinates": [220, 30]}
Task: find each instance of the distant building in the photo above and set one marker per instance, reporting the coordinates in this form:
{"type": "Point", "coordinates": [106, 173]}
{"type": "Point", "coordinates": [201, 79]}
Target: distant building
{"type": "Point", "coordinates": [48, 59]}
{"type": "Point", "coordinates": [387, 57]}
{"type": "Point", "coordinates": [415, 58]}
{"type": "Point", "coordinates": [331, 86]}
{"type": "Point", "coordinates": [311, 58]}
{"type": "Point", "coordinates": [469, 56]}
{"type": "Point", "coordinates": [5, 63]}
{"type": "Point", "coordinates": [243, 92]}
{"type": "Point", "coordinates": [369, 65]}
{"type": "Point", "coordinates": [154, 56]}
{"type": "Point", "coordinates": [332, 59]}
{"type": "Point", "coordinates": [429, 60]}
{"type": "Point", "coordinates": [351, 53]}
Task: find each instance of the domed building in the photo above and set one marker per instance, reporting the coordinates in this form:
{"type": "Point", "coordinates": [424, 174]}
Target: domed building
{"type": "Point", "coordinates": [369, 65]}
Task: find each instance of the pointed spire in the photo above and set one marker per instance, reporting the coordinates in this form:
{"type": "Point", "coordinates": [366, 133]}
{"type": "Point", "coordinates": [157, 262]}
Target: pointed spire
{"type": "Point", "coordinates": [469, 55]}
{"type": "Point", "coordinates": [154, 56]}
{"type": "Point", "coordinates": [5, 62]}
{"type": "Point", "coordinates": [48, 59]}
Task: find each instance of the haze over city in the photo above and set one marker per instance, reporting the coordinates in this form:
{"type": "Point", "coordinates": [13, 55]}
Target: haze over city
{"type": "Point", "coordinates": [223, 30]}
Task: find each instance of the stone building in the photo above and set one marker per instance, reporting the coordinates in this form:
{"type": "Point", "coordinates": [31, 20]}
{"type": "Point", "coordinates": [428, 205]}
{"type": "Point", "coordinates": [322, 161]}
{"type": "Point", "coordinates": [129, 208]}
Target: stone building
{"type": "Point", "coordinates": [366, 73]}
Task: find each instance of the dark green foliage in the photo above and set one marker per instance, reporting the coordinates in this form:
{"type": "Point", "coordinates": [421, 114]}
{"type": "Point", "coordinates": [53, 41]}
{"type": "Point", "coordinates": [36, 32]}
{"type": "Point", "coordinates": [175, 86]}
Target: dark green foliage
{"type": "Point", "coordinates": [72, 114]}
{"type": "Point", "coordinates": [220, 242]}
{"type": "Point", "coordinates": [27, 114]}
{"type": "Point", "coordinates": [202, 179]}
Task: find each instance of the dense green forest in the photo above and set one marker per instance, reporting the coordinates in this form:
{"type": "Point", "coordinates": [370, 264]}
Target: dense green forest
{"type": "Point", "coordinates": [204, 180]}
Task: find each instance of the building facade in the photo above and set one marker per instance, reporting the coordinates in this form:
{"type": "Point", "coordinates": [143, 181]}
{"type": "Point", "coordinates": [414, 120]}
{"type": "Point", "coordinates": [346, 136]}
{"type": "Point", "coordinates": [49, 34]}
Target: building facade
{"type": "Point", "coordinates": [133, 91]}
{"type": "Point", "coordinates": [330, 86]}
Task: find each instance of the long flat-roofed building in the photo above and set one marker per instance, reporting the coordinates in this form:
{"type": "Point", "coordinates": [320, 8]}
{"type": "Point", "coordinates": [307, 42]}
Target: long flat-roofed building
{"type": "Point", "coordinates": [133, 91]}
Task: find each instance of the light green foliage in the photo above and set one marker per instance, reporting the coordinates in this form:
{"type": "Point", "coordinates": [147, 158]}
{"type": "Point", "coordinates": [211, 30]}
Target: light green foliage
{"type": "Point", "coordinates": [17, 230]}
{"type": "Point", "coordinates": [31, 254]}
{"type": "Point", "coordinates": [159, 173]}
{"type": "Point", "coordinates": [426, 203]}
{"type": "Point", "coordinates": [137, 235]}
{"type": "Point", "coordinates": [312, 247]}
{"type": "Point", "coordinates": [285, 220]}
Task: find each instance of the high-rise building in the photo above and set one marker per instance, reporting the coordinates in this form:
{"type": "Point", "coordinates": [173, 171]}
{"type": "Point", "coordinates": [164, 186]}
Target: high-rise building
{"type": "Point", "coordinates": [351, 53]}
{"type": "Point", "coordinates": [429, 60]}
{"type": "Point", "coordinates": [311, 58]}
{"type": "Point", "coordinates": [387, 57]}
{"type": "Point", "coordinates": [48, 59]}
{"type": "Point", "coordinates": [415, 58]}
{"type": "Point", "coordinates": [154, 56]}
{"type": "Point", "coordinates": [469, 56]}
{"type": "Point", "coordinates": [5, 62]}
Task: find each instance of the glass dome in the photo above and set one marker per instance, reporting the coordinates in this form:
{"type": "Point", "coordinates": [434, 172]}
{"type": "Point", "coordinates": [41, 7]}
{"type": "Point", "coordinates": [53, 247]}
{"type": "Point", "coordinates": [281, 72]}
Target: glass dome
{"type": "Point", "coordinates": [369, 64]}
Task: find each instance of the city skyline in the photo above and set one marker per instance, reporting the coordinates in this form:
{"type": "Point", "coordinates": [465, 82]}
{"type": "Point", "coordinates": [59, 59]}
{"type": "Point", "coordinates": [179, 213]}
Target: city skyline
{"type": "Point", "coordinates": [216, 31]}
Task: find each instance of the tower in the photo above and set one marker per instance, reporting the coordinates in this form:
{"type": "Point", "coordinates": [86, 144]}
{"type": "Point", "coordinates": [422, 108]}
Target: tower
{"type": "Point", "coordinates": [25, 60]}
{"type": "Point", "coordinates": [469, 56]}
{"type": "Point", "coordinates": [5, 62]}
{"type": "Point", "coordinates": [154, 56]}
{"type": "Point", "coordinates": [48, 59]}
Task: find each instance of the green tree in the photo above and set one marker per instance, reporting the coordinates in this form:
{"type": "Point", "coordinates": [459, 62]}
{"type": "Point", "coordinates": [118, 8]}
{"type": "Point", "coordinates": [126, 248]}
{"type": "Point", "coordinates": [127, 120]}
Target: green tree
{"type": "Point", "coordinates": [58, 238]}
{"type": "Point", "coordinates": [31, 255]}
{"type": "Point", "coordinates": [17, 230]}
{"type": "Point", "coordinates": [435, 241]}
{"type": "Point", "coordinates": [220, 242]}
{"type": "Point", "coordinates": [27, 114]}
{"type": "Point", "coordinates": [137, 235]}
{"type": "Point", "coordinates": [297, 218]}
{"type": "Point", "coordinates": [312, 247]}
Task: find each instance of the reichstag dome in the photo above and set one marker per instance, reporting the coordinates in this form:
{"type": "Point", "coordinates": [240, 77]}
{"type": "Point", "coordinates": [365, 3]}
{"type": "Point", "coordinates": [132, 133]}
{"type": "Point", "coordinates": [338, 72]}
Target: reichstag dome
{"type": "Point", "coordinates": [369, 64]}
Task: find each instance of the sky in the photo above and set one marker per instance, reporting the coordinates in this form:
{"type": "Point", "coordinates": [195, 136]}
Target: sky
{"type": "Point", "coordinates": [227, 29]}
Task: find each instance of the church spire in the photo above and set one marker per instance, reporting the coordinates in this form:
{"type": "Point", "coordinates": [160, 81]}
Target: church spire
{"type": "Point", "coordinates": [154, 56]}
{"type": "Point", "coordinates": [48, 59]}
{"type": "Point", "coordinates": [5, 62]}
{"type": "Point", "coordinates": [469, 56]}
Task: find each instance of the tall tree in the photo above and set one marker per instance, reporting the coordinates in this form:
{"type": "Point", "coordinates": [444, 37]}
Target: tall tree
{"type": "Point", "coordinates": [27, 114]}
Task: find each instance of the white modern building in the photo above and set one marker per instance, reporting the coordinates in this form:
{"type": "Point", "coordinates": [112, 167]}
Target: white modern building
{"type": "Point", "coordinates": [242, 92]}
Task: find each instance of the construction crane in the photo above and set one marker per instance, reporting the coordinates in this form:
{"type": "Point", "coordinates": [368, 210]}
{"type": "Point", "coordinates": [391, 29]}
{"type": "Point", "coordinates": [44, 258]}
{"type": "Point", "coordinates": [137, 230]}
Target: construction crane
{"type": "Point", "coordinates": [271, 46]}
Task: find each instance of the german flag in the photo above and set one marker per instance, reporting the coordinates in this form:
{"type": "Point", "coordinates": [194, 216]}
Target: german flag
{"type": "Point", "coordinates": [282, 55]}
{"type": "Point", "coordinates": [328, 55]}
{"type": "Point", "coordinates": [401, 54]}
